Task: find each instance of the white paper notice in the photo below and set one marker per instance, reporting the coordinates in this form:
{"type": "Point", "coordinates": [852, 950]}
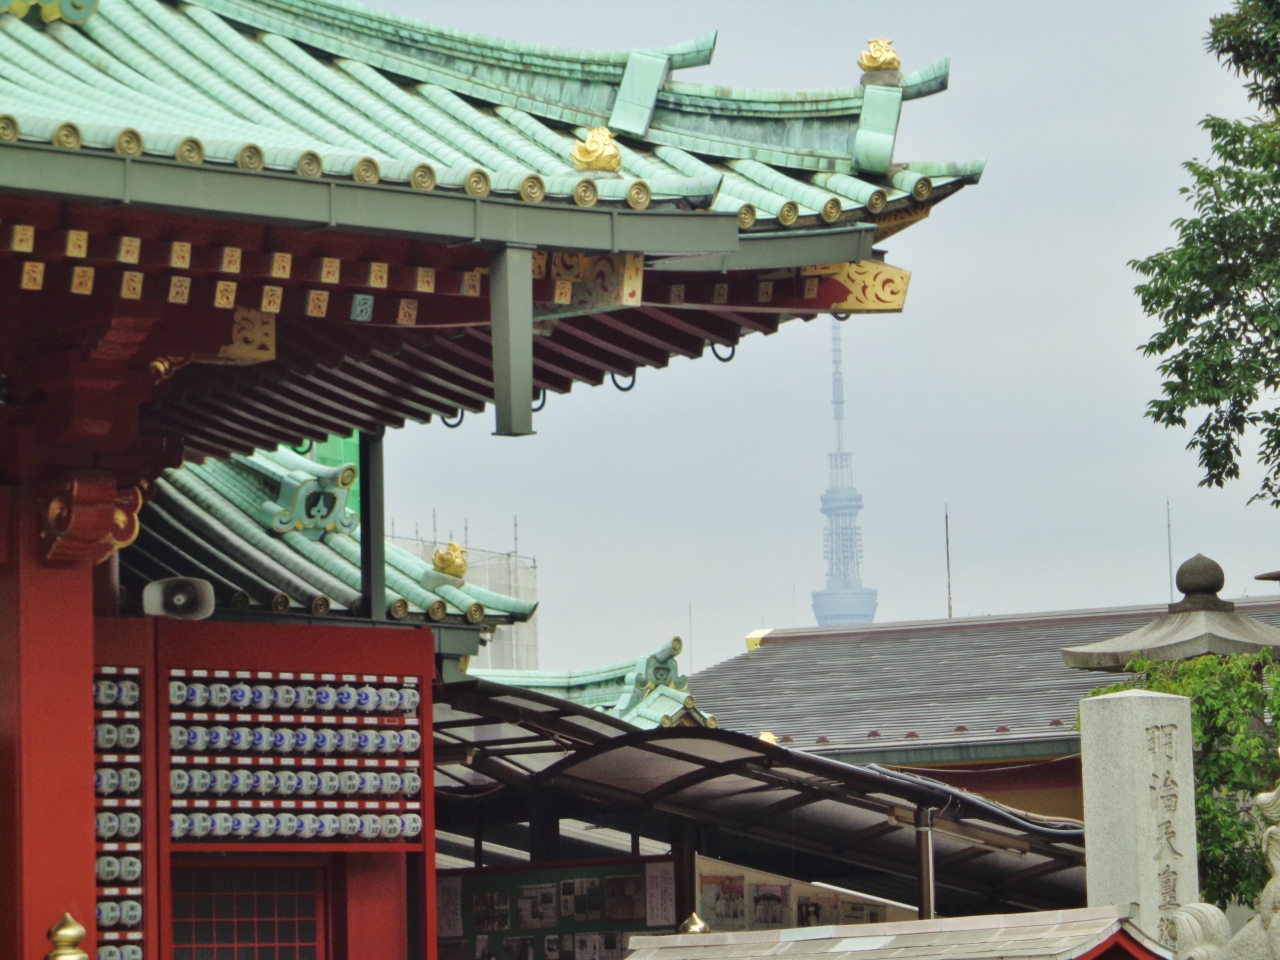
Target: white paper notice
{"type": "Point", "coordinates": [659, 894]}
{"type": "Point", "coordinates": [449, 906]}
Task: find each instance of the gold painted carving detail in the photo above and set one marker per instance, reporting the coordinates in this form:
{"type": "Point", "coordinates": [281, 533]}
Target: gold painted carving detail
{"type": "Point", "coordinates": [874, 287]}
{"type": "Point", "coordinates": [598, 152]}
{"type": "Point", "coordinates": [33, 275]}
{"type": "Point", "coordinates": [179, 290]}
{"type": "Point", "coordinates": [880, 55]}
{"type": "Point", "coordinates": [253, 338]}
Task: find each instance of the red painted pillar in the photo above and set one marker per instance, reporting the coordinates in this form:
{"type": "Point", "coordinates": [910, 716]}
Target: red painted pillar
{"type": "Point", "coordinates": [377, 916]}
{"type": "Point", "coordinates": [46, 738]}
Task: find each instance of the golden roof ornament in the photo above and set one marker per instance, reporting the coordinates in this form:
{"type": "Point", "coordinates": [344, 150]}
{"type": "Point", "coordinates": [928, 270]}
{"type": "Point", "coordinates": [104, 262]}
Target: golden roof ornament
{"type": "Point", "coordinates": [72, 11]}
{"type": "Point", "coordinates": [452, 560]}
{"type": "Point", "coordinates": [599, 152]}
{"type": "Point", "coordinates": [880, 55]}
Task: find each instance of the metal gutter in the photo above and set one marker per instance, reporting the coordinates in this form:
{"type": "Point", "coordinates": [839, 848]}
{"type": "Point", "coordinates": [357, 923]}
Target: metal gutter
{"type": "Point", "coordinates": [959, 753]}
{"type": "Point", "coordinates": [778, 249]}
{"type": "Point", "coordinates": [205, 190]}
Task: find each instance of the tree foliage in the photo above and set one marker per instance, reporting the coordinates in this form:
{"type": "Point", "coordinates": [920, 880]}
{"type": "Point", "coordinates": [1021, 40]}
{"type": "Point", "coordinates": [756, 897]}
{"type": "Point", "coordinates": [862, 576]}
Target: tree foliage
{"type": "Point", "coordinates": [1217, 291]}
{"type": "Point", "coordinates": [1232, 700]}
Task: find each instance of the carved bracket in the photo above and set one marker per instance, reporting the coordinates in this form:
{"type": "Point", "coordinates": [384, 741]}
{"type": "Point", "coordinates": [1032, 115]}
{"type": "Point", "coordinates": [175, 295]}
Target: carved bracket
{"type": "Point", "coordinates": [87, 517]}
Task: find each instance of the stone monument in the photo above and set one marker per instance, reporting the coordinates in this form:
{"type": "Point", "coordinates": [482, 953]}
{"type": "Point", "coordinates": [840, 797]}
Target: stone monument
{"type": "Point", "coordinates": [1139, 806]}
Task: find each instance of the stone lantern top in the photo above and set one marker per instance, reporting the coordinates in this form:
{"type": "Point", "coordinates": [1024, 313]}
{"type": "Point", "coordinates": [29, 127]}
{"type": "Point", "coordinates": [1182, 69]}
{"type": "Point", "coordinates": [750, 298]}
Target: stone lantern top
{"type": "Point", "coordinates": [1199, 623]}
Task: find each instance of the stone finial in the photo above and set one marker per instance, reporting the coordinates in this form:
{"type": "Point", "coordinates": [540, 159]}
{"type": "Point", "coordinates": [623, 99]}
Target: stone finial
{"type": "Point", "coordinates": [1197, 624]}
{"type": "Point", "coordinates": [1200, 579]}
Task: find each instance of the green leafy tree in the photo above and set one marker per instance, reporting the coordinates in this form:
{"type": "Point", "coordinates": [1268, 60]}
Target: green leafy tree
{"type": "Point", "coordinates": [1235, 759]}
{"type": "Point", "coordinates": [1217, 291]}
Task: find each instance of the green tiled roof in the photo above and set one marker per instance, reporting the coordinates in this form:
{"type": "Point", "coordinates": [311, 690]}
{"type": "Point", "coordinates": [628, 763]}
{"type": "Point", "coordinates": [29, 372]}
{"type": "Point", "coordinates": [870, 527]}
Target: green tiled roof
{"type": "Point", "coordinates": [646, 692]}
{"type": "Point", "coordinates": [276, 531]}
{"type": "Point", "coordinates": [332, 88]}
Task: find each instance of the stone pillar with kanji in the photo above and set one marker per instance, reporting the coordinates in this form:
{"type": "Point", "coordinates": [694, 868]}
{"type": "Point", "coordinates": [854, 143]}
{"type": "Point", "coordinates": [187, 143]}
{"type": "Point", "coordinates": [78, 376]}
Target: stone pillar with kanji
{"type": "Point", "coordinates": [1139, 805]}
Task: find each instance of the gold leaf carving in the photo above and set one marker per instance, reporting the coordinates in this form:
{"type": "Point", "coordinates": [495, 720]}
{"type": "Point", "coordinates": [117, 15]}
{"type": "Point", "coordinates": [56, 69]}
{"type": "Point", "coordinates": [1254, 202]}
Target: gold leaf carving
{"type": "Point", "coordinates": [879, 56]}
{"type": "Point", "coordinates": [598, 152]}
{"type": "Point", "coordinates": [451, 561]}
{"type": "Point", "coordinates": [253, 338]}
{"type": "Point", "coordinates": [874, 287]}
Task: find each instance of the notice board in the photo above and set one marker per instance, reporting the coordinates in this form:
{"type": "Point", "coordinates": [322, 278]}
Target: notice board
{"type": "Point", "coordinates": [562, 911]}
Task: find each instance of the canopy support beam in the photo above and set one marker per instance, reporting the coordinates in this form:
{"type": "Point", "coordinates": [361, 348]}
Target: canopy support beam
{"type": "Point", "coordinates": [373, 547]}
{"type": "Point", "coordinates": [924, 853]}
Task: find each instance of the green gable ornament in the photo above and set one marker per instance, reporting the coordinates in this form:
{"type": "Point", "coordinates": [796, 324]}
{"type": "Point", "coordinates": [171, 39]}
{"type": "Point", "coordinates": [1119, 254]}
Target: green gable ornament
{"type": "Point", "coordinates": [72, 11]}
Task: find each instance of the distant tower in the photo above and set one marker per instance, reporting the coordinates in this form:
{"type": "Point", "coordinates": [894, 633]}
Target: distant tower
{"type": "Point", "coordinates": [846, 600]}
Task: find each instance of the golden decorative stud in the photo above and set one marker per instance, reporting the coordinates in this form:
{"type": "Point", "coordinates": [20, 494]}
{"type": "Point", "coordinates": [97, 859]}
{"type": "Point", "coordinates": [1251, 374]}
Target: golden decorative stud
{"type": "Point", "coordinates": [695, 924]}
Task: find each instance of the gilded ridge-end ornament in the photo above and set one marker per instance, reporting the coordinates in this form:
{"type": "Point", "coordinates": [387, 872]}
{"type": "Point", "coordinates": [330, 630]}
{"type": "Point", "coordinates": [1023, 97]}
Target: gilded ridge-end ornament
{"type": "Point", "coordinates": [878, 56]}
{"type": "Point", "coordinates": [598, 152]}
{"type": "Point", "coordinates": [452, 560]}
{"type": "Point", "coordinates": [72, 11]}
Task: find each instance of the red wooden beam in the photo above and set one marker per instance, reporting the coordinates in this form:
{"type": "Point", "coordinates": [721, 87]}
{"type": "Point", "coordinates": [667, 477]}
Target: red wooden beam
{"type": "Point", "coordinates": [605, 360]}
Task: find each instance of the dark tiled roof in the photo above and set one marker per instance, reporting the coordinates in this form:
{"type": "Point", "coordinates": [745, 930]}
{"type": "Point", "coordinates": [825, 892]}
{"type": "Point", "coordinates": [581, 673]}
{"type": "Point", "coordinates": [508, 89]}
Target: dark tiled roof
{"type": "Point", "coordinates": [924, 678]}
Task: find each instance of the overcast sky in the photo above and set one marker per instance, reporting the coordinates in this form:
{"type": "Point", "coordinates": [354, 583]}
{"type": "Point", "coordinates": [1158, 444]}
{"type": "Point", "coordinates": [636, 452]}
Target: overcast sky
{"type": "Point", "coordinates": [1011, 388]}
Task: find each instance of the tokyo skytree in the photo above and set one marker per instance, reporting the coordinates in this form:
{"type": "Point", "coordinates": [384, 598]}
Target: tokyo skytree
{"type": "Point", "coordinates": [845, 600]}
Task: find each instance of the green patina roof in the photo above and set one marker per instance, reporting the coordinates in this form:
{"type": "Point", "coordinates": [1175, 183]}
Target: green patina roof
{"type": "Point", "coordinates": [276, 531]}
{"type": "Point", "coordinates": [323, 87]}
{"type": "Point", "coordinates": [646, 692]}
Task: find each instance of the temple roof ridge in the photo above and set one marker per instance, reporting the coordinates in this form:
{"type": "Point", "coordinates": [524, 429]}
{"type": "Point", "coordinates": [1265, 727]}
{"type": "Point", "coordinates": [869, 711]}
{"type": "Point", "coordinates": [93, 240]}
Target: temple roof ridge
{"type": "Point", "coordinates": [385, 27]}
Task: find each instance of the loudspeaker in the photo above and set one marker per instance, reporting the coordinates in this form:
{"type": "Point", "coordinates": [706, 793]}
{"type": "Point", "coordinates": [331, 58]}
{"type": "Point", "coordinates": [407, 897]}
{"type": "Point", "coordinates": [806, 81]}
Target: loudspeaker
{"type": "Point", "coordinates": [180, 598]}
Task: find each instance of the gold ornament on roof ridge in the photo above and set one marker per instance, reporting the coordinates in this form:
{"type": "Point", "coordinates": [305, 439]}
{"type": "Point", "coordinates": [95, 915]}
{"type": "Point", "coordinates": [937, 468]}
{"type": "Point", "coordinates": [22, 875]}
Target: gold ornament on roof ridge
{"type": "Point", "coordinates": [452, 560]}
{"type": "Point", "coordinates": [880, 55]}
{"type": "Point", "coordinates": [598, 152]}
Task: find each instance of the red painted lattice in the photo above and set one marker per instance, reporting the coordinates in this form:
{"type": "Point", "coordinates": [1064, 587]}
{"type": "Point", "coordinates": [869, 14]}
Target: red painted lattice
{"type": "Point", "coordinates": [248, 914]}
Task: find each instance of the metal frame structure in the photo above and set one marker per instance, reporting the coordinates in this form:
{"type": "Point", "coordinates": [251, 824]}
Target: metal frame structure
{"type": "Point", "coordinates": [502, 746]}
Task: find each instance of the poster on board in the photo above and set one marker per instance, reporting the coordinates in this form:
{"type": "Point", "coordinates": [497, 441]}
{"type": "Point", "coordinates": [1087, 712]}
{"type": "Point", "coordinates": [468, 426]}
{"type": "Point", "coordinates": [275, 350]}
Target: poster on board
{"type": "Point", "coordinates": [770, 906]}
{"type": "Point", "coordinates": [582, 899]}
{"type": "Point", "coordinates": [449, 906]}
{"type": "Point", "coordinates": [491, 911]}
{"type": "Point", "coordinates": [722, 901]}
{"type": "Point", "coordinates": [536, 906]}
{"type": "Point", "coordinates": [624, 897]}
{"type": "Point", "coordinates": [660, 894]}
{"type": "Point", "coordinates": [814, 910]}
